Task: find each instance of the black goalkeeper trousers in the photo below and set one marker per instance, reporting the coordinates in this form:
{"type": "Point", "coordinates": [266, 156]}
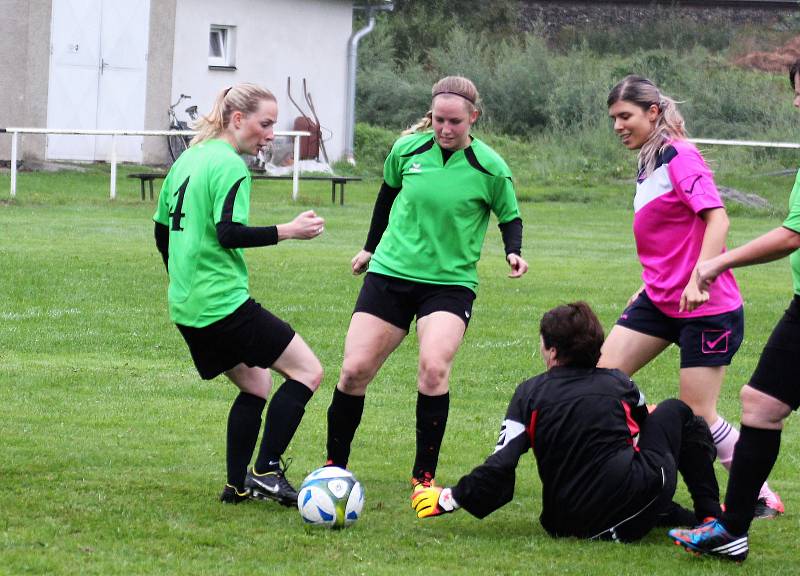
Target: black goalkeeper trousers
{"type": "Point", "coordinates": [662, 441]}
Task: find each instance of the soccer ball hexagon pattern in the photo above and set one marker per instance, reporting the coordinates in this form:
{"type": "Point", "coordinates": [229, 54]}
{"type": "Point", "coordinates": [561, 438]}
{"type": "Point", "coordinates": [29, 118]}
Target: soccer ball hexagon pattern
{"type": "Point", "coordinates": [331, 497]}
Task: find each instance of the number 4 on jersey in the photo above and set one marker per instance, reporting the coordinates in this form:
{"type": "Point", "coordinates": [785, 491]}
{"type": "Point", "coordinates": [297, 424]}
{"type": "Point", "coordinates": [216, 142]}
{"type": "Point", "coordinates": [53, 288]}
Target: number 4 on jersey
{"type": "Point", "coordinates": [177, 213]}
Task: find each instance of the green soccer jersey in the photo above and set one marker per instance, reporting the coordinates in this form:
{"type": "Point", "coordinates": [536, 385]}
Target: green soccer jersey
{"type": "Point", "coordinates": [793, 223]}
{"type": "Point", "coordinates": [209, 183]}
{"type": "Point", "coordinates": [438, 220]}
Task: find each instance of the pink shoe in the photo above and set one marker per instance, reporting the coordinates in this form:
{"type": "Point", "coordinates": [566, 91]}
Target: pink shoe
{"type": "Point", "coordinates": [769, 505]}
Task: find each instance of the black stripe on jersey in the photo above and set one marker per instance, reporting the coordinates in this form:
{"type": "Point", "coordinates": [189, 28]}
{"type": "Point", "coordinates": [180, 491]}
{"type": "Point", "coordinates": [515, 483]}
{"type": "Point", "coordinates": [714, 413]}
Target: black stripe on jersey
{"type": "Point", "coordinates": [666, 156]}
{"type": "Point", "coordinates": [230, 199]}
{"type": "Point", "coordinates": [473, 161]}
{"type": "Point", "coordinates": [422, 149]}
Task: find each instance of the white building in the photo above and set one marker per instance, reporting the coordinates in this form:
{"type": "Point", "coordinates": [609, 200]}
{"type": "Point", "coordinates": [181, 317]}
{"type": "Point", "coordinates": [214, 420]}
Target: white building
{"type": "Point", "coordinates": [118, 64]}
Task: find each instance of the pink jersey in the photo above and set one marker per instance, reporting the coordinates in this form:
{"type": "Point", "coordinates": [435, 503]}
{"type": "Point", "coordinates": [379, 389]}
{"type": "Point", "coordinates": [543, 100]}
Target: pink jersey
{"type": "Point", "coordinates": [669, 231]}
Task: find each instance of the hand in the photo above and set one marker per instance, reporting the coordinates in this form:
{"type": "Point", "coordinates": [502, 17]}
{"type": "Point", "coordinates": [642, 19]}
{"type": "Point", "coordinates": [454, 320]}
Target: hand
{"type": "Point", "coordinates": [633, 298]}
{"type": "Point", "coordinates": [692, 297]}
{"type": "Point", "coordinates": [305, 226]}
{"type": "Point", "coordinates": [706, 272]}
{"type": "Point", "coordinates": [432, 501]}
{"type": "Point", "coordinates": [518, 265]}
{"type": "Point", "coordinates": [360, 262]}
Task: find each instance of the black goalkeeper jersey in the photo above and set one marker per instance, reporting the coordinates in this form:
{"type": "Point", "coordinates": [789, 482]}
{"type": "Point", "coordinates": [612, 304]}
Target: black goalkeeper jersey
{"type": "Point", "coordinates": [581, 424]}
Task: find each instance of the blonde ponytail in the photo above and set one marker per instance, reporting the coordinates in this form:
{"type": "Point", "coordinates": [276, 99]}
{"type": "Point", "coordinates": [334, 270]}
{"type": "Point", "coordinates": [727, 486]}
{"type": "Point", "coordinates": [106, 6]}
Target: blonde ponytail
{"type": "Point", "coordinates": [243, 98]}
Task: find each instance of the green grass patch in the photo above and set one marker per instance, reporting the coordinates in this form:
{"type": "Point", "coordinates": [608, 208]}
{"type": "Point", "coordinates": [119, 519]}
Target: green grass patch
{"type": "Point", "coordinates": [113, 448]}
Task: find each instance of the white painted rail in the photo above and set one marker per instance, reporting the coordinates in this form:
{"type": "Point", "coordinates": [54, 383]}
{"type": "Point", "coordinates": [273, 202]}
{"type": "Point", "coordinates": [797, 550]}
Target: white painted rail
{"type": "Point", "coordinates": [745, 143]}
{"type": "Point", "coordinates": [15, 132]}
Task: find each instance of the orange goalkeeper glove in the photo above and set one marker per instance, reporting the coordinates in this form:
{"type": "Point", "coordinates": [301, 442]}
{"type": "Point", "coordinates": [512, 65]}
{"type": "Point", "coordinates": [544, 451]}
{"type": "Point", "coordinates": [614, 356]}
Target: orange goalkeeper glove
{"type": "Point", "coordinates": [432, 501]}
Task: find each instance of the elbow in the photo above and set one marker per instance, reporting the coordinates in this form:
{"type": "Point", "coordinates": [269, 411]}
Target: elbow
{"type": "Point", "coordinates": [721, 220]}
{"type": "Point", "coordinates": [224, 236]}
{"type": "Point", "coordinates": [794, 240]}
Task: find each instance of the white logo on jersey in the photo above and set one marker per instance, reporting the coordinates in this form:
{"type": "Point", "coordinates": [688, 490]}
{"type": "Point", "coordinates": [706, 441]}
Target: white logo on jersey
{"type": "Point", "coordinates": [466, 313]}
{"type": "Point", "coordinates": [509, 430]}
{"type": "Point", "coordinates": [416, 168]}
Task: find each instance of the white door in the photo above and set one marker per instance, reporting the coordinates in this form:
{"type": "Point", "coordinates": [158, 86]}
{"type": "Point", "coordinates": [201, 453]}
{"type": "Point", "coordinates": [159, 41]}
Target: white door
{"type": "Point", "coordinates": [98, 69]}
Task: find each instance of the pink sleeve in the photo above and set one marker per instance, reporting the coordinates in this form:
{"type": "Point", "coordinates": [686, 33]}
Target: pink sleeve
{"type": "Point", "coordinates": [692, 179]}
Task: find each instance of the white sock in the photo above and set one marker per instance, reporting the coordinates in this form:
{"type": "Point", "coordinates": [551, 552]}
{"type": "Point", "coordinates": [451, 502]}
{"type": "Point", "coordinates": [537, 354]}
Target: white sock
{"type": "Point", "coordinates": [725, 438]}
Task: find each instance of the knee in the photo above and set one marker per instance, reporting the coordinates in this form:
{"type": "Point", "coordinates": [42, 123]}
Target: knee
{"type": "Point", "coordinates": [678, 407]}
{"type": "Point", "coordinates": [355, 376]}
{"type": "Point", "coordinates": [759, 410]}
{"type": "Point", "coordinates": [314, 377]}
{"type": "Point", "coordinates": [433, 376]}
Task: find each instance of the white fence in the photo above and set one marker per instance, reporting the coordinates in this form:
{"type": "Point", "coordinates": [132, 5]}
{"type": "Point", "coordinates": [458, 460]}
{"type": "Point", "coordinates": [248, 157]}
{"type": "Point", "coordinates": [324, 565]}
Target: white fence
{"type": "Point", "coordinates": [745, 143]}
{"type": "Point", "coordinates": [15, 132]}
{"type": "Point", "coordinates": [295, 135]}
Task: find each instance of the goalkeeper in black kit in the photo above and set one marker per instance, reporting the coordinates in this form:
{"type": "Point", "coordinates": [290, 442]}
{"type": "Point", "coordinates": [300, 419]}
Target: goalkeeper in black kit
{"type": "Point", "coordinates": [608, 465]}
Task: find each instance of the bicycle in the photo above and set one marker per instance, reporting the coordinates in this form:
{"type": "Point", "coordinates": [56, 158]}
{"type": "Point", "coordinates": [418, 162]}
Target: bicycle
{"type": "Point", "coordinates": [177, 143]}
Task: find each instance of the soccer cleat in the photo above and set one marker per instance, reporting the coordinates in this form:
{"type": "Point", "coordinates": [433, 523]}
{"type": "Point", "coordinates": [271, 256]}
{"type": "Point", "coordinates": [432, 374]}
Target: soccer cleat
{"type": "Point", "coordinates": [712, 539]}
{"type": "Point", "coordinates": [426, 481]}
{"type": "Point", "coordinates": [270, 486]}
{"type": "Point", "coordinates": [769, 506]}
{"type": "Point", "coordinates": [230, 495]}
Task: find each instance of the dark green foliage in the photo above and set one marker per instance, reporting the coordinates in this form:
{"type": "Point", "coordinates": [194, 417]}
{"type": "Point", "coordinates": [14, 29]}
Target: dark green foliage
{"type": "Point", "coordinates": [664, 30]}
{"type": "Point", "coordinates": [417, 26]}
{"type": "Point", "coordinates": [531, 85]}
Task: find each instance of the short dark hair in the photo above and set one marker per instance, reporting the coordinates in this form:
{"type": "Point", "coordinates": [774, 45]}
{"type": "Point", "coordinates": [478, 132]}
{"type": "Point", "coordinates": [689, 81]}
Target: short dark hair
{"type": "Point", "coordinates": [576, 333]}
{"type": "Point", "coordinates": [794, 71]}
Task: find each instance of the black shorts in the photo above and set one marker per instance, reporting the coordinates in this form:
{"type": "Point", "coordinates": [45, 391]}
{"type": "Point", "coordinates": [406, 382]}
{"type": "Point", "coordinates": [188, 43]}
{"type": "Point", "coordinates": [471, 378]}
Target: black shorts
{"type": "Point", "coordinates": [703, 340]}
{"type": "Point", "coordinates": [397, 301]}
{"type": "Point", "coordinates": [250, 334]}
{"type": "Point", "coordinates": [778, 369]}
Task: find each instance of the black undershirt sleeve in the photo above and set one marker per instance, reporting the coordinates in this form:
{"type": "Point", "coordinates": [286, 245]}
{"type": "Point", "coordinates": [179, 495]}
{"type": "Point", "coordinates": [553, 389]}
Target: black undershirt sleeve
{"type": "Point", "coordinates": [380, 216]}
{"type": "Point", "coordinates": [491, 485]}
{"type": "Point", "coordinates": [235, 235]}
{"type": "Point", "coordinates": [512, 236]}
{"type": "Point", "coordinates": [161, 234]}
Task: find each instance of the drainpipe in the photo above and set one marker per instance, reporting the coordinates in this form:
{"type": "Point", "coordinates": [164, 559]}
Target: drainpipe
{"type": "Point", "coordinates": [352, 69]}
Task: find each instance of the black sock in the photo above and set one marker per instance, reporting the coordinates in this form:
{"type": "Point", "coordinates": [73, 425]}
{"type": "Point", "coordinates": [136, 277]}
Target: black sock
{"type": "Point", "coordinates": [285, 411]}
{"type": "Point", "coordinates": [753, 458]}
{"type": "Point", "coordinates": [244, 422]}
{"type": "Point", "coordinates": [344, 416]}
{"type": "Point", "coordinates": [696, 465]}
{"type": "Point", "coordinates": [432, 414]}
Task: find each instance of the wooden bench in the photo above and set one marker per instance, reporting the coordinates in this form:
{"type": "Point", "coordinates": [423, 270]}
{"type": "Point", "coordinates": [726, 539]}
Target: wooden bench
{"type": "Point", "coordinates": [334, 180]}
{"type": "Point", "coordinates": [147, 177]}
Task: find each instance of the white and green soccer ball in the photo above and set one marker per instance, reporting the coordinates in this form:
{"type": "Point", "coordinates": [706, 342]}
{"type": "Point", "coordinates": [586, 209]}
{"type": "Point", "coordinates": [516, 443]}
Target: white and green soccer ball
{"type": "Point", "coordinates": [331, 497]}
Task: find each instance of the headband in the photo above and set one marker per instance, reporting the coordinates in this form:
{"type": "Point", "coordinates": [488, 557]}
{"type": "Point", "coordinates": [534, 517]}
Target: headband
{"type": "Point", "coordinates": [470, 100]}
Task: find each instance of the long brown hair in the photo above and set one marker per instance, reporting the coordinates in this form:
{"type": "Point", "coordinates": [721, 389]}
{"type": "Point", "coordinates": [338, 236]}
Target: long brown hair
{"type": "Point", "coordinates": [455, 85]}
{"type": "Point", "coordinates": [243, 98]}
{"type": "Point", "coordinates": [669, 124]}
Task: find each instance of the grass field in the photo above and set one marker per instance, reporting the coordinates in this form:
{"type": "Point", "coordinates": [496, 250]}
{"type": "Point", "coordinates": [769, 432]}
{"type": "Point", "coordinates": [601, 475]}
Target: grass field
{"type": "Point", "coordinates": [113, 448]}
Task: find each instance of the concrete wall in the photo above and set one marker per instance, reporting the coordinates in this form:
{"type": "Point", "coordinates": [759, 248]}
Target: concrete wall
{"type": "Point", "coordinates": [24, 71]}
{"type": "Point", "coordinates": [160, 54]}
{"type": "Point", "coordinates": [274, 39]}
